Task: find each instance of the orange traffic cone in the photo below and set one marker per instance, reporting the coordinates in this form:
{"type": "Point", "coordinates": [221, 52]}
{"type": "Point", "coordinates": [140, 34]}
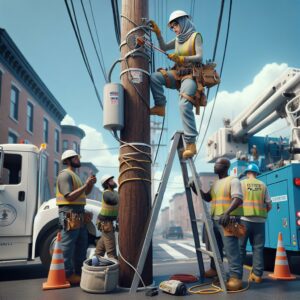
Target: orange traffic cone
{"type": "Point", "coordinates": [281, 270]}
{"type": "Point", "coordinates": [57, 276]}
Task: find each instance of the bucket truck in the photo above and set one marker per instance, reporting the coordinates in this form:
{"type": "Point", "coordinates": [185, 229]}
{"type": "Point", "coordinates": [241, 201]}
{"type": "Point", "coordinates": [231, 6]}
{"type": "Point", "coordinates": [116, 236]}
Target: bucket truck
{"type": "Point", "coordinates": [277, 158]}
{"type": "Point", "coordinates": [29, 223]}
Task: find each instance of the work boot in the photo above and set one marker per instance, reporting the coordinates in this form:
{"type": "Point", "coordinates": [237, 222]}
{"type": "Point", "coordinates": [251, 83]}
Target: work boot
{"type": "Point", "coordinates": [74, 279]}
{"type": "Point", "coordinates": [158, 111]}
{"type": "Point", "coordinates": [189, 151]}
{"type": "Point", "coordinates": [210, 273]}
{"type": "Point", "coordinates": [234, 284]}
{"type": "Point", "coordinates": [255, 278]}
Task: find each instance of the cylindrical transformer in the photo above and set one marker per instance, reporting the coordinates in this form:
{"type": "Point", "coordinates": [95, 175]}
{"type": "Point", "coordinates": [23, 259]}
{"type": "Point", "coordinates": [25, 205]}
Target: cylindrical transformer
{"type": "Point", "coordinates": [113, 106]}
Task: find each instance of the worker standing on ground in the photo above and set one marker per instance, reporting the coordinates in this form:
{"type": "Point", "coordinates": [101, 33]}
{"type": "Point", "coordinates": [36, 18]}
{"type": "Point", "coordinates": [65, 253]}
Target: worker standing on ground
{"type": "Point", "coordinates": [108, 214]}
{"type": "Point", "coordinates": [256, 205]}
{"type": "Point", "coordinates": [188, 54]}
{"type": "Point", "coordinates": [71, 199]}
{"type": "Point", "coordinates": [226, 197]}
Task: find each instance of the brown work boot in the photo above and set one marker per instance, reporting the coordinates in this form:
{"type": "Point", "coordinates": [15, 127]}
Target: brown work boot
{"type": "Point", "coordinates": [189, 151]}
{"type": "Point", "coordinates": [210, 273]}
{"type": "Point", "coordinates": [74, 279]}
{"type": "Point", "coordinates": [255, 278]}
{"type": "Point", "coordinates": [234, 284]}
{"type": "Point", "coordinates": [158, 111]}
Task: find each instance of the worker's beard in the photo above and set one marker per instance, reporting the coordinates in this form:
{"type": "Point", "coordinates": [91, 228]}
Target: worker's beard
{"type": "Point", "coordinates": [113, 186]}
{"type": "Point", "coordinates": [75, 165]}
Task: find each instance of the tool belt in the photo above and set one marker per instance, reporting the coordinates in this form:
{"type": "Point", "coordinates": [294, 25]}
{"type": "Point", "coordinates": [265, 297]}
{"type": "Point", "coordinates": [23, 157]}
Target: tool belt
{"type": "Point", "coordinates": [234, 228]}
{"type": "Point", "coordinates": [204, 76]}
{"type": "Point", "coordinates": [74, 221]}
{"type": "Point", "coordinates": [105, 226]}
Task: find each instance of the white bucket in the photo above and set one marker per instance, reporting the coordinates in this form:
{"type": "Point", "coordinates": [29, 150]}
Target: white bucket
{"type": "Point", "coordinates": [99, 279]}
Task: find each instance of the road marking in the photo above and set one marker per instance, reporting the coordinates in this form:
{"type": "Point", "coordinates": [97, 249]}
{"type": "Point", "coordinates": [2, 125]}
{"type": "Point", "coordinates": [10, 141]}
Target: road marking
{"type": "Point", "coordinates": [171, 251]}
{"type": "Point", "coordinates": [185, 246]}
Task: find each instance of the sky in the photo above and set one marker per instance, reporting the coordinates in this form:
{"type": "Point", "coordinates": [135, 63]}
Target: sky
{"type": "Point", "coordinates": [263, 42]}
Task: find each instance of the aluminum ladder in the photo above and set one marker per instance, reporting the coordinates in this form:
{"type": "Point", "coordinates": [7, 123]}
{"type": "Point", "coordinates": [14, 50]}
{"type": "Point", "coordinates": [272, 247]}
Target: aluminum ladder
{"type": "Point", "coordinates": [178, 145]}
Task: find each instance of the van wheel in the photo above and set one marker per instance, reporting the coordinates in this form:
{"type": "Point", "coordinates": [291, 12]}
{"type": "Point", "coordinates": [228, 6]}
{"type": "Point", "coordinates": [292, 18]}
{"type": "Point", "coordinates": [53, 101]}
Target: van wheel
{"type": "Point", "coordinates": [47, 247]}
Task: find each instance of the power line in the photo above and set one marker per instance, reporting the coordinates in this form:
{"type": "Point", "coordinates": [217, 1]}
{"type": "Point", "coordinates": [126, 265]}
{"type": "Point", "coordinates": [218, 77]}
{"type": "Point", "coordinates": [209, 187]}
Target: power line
{"type": "Point", "coordinates": [115, 10]}
{"type": "Point", "coordinates": [92, 38]}
{"type": "Point", "coordinates": [221, 71]}
{"type": "Point", "coordinates": [81, 47]}
{"type": "Point", "coordinates": [100, 149]}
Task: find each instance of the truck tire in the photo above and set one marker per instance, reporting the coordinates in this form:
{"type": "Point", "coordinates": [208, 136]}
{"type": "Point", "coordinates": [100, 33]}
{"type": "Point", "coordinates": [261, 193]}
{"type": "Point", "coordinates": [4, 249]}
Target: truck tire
{"type": "Point", "coordinates": [47, 246]}
{"type": "Point", "coordinates": [269, 259]}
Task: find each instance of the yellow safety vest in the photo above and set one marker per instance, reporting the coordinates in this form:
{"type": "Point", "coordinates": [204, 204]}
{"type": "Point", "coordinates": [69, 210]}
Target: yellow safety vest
{"type": "Point", "coordinates": [108, 210]}
{"type": "Point", "coordinates": [221, 198]}
{"type": "Point", "coordinates": [77, 183]}
{"type": "Point", "coordinates": [254, 192]}
{"type": "Point", "coordinates": [188, 47]}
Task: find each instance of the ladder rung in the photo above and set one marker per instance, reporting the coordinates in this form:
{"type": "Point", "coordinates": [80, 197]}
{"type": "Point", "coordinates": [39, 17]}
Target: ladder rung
{"type": "Point", "coordinates": [209, 253]}
{"type": "Point", "coordinates": [198, 220]}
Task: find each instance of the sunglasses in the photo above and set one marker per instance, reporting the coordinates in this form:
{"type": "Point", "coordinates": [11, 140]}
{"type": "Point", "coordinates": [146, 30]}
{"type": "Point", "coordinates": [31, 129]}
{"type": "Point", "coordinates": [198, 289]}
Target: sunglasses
{"type": "Point", "coordinates": [174, 24]}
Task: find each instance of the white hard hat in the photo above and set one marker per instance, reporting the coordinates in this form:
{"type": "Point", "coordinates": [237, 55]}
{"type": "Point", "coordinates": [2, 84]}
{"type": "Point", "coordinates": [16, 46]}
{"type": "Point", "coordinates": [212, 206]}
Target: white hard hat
{"type": "Point", "coordinates": [106, 177]}
{"type": "Point", "coordinates": [177, 14]}
{"type": "Point", "coordinates": [68, 154]}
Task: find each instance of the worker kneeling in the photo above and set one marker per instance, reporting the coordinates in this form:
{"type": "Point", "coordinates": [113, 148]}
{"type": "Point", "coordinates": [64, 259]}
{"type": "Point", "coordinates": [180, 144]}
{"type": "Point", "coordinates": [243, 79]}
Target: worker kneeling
{"type": "Point", "coordinates": [108, 214]}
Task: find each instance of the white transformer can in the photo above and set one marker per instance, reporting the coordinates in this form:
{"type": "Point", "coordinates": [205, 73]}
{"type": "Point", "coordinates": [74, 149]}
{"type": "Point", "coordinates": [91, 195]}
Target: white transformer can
{"type": "Point", "coordinates": [113, 106]}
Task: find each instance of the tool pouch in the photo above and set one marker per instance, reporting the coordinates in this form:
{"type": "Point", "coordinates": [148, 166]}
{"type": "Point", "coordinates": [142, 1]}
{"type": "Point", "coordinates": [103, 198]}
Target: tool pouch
{"type": "Point", "coordinates": [235, 229]}
{"type": "Point", "coordinates": [73, 221]}
{"type": "Point", "coordinates": [105, 226]}
{"type": "Point", "coordinates": [209, 76]}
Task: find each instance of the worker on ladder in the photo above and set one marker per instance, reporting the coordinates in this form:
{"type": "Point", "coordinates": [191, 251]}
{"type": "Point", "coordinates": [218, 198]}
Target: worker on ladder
{"type": "Point", "coordinates": [187, 55]}
{"type": "Point", "coordinates": [256, 205]}
{"type": "Point", "coordinates": [226, 197]}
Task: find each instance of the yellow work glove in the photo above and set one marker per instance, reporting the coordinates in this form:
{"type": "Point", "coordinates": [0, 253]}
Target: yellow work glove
{"type": "Point", "coordinates": [176, 58]}
{"type": "Point", "coordinates": [154, 27]}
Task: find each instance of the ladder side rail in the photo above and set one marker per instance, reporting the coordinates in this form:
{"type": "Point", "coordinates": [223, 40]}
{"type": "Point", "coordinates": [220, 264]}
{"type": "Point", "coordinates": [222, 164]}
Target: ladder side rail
{"type": "Point", "coordinates": [192, 218]}
{"type": "Point", "coordinates": [209, 229]}
{"type": "Point", "coordinates": [154, 214]}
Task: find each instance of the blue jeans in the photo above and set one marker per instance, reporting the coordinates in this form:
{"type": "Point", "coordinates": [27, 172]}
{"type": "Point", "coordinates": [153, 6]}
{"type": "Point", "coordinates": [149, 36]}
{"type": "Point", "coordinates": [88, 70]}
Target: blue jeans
{"type": "Point", "coordinates": [231, 247]}
{"type": "Point", "coordinates": [74, 244]}
{"type": "Point", "coordinates": [256, 234]}
{"type": "Point", "coordinates": [189, 87]}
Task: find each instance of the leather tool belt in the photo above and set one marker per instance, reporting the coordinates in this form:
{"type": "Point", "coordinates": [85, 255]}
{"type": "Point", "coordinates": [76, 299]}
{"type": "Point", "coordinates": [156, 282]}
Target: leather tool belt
{"type": "Point", "coordinates": [74, 221]}
{"type": "Point", "coordinates": [234, 228]}
{"type": "Point", "coordinates": [105, 226]}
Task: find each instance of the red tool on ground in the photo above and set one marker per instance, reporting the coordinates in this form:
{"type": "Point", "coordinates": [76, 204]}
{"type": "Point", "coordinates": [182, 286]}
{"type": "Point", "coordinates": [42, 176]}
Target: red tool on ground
{"type": "Point", "coordinates": [141, 42]}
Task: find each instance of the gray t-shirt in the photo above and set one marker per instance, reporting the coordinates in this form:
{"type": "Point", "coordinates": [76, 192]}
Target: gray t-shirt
{"type": "Point", "coordinates": [65, 186]}
{"type": "Point", "coordinates": [235, 189]}
{"type": "Point", "coordinates": [255, 218]}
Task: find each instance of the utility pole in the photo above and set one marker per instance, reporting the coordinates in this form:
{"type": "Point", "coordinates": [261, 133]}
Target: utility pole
{"type": "Point", "coordinates": [135, 153]}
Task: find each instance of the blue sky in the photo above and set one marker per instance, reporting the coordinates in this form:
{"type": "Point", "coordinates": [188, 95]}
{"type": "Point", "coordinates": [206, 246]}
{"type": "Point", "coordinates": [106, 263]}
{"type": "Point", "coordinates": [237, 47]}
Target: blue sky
{"type": "Point", "coordinates": [263, 41]}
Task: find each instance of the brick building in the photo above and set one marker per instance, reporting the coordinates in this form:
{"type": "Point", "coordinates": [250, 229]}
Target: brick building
{"type": "Point", "coordinates": [29, 113]}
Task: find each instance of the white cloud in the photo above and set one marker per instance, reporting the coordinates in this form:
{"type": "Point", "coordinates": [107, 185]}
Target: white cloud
{"type": "Point", "coordinates": [68, 120]}
{"type": "Point", "coordinates": [230, 104]}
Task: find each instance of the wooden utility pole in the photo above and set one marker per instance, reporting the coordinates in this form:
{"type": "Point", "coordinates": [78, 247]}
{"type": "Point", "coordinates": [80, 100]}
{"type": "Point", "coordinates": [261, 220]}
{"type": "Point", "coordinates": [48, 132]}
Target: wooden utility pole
{"type": "Point", "coordinates": [135, 163]}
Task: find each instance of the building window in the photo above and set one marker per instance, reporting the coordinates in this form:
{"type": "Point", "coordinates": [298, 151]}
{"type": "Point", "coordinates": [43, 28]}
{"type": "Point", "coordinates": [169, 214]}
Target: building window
{"type": "Point", "coordinates": [45, 130]}
{"type": "Point", "coordinates": [75, 147]}
{"type": "Point", "coordinates": [12, 138]}
{"type": "Point", "coordinates": [65, 145]}
{"type": "Point", "coordinates": [55, 173]}
{"type": "Point", "coordinates": [56, 140]}
{"type": "Point", "coordinates": [29, 124]}
{"type": "Point", "coordinates": [14, 103]}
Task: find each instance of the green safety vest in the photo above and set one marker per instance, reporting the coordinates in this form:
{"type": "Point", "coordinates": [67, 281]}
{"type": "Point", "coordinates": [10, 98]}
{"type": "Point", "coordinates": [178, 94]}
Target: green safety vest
{"type": "Point", "coordinates": [254, 192]}
{"type": "Point", "coordinates": [108, 210]}
{"type": "Point", "coordinates": [188, 47]}
{"type": "Point", "coordinates": [221, 198]}
{"type": "Point", "coordinates": [77, 183]}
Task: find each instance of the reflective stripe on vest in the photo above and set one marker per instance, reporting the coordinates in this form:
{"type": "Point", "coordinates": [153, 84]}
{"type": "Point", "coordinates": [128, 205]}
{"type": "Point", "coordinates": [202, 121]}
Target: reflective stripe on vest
{"type": "Point", "coordinates": [188, 47]}
{"type": "Point", "coordinates": [77, 183]}
{"type": "Point", "coordinates": [254, 192]}
{"type": "Point", "coordinates": [221, 198]}
{"type": "Point", "coordinates": [108, 210]}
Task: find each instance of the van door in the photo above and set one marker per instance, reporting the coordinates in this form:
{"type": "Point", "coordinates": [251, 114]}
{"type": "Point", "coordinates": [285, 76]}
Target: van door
{"type": "Point", "coordinates": [13, 206]}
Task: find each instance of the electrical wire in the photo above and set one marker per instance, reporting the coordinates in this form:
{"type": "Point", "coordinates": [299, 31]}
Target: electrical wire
{"type": "Point", "coordinates": [192, 9]}
{"type": "Point", "coordinates": [221, 71]}
{"type": "Point", "coordinates": [115, 10]}
{"type": "Point", "coordinates": [214, 56]}
{"type": "Point", "coordinates": [81, 48]}
{"type": "Point", "coordinates": [93, 41]}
